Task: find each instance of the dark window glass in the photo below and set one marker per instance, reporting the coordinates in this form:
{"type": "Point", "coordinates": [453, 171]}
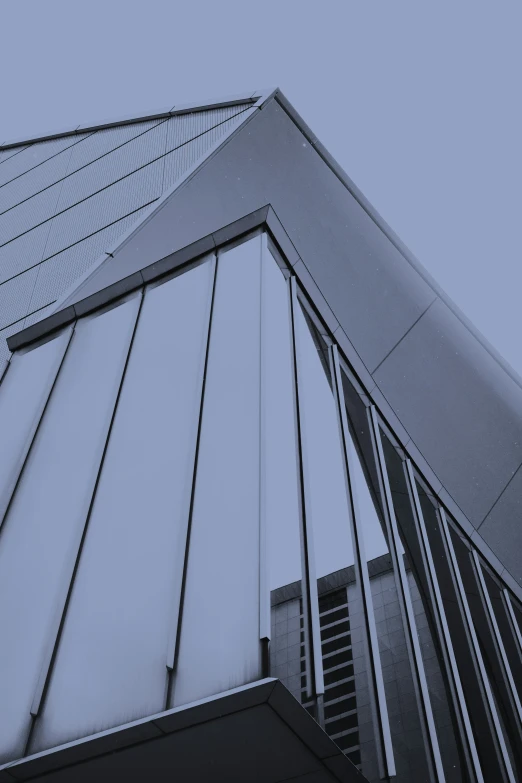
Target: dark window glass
{"type": "Point", "coordinates": [338, 707]}
{"type": "Point", "coordinates": [420, 596]}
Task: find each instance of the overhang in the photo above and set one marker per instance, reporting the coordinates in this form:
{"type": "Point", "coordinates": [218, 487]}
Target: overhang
{"type": "Point", "coordinates": [257, 733]}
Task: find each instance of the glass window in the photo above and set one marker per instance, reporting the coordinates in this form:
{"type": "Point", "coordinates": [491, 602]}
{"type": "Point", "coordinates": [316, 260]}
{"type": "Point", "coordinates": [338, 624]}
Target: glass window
{"type": "Point", "coordinates": [350, 711]}
{"type": "Point", "coordinates": [509, 639]}
{"type": "Point", "coordinates": [462, 643]}
{"type": "Point", "coordinates": [395, 652]}
{"type": "Point", "coordinates": [488, 649]}
{"type": "Point", "coordinates": [425, 617]}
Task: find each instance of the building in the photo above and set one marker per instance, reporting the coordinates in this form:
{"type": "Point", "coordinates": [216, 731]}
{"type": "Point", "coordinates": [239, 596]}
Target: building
{"type": "Point", "coordinates": [346, 716]}
{"type": "Point", "coordinates": [259, 477]}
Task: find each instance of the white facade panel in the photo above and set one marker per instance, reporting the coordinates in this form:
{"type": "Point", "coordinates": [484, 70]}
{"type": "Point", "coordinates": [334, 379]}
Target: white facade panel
{"type": "Point", "coordinates": [220, 647]}
{"type": "Point", "coordinates": [126, 591]}
{"type": "Point", "coordinates": [23, 394]}
{"type": "Point", "coordinates": [41, 533]}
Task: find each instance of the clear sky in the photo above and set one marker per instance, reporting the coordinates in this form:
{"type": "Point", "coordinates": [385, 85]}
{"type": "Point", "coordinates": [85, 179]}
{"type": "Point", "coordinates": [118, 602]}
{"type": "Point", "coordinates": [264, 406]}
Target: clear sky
{"type": "Point", "coordinates": [418, 101]}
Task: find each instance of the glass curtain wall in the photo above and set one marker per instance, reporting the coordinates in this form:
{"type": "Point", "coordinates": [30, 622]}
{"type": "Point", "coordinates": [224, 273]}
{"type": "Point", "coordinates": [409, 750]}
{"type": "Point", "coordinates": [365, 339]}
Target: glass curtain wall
{"type": "Point", "coordinates": [360, 679]}
{"type": "Point", "coordinates": [440, 717]}
{"type": "Point", "coordinates": [504, 618]}
{"type": "Point", "coordinates": [497, 676]}
{"type": "Point", "coordinates": [349, 708]}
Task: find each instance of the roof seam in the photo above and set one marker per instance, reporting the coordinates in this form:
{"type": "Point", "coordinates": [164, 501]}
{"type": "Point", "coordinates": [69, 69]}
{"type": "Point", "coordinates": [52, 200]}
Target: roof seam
{"type": "Point", "coordinates": [56, 202]}
{"type": "Point", "coordinates": [486, 515]}
{"type": "Point", "coordinates": [48, 258]}
{"type": "Point", "coordinates": [24, 147]}
{"type": "Point", "coordinates": [150, 162]}
{"type": "Point", "coordinates": [176, 186]}
{"type": "Point", "coordinates": [65, 149]}
{"type": "Point", "coordinates": [66, 176]}
{"type": "Point", "coordinates": [27, 315]}
{"type": "Point", "coordinates": [406, 333]}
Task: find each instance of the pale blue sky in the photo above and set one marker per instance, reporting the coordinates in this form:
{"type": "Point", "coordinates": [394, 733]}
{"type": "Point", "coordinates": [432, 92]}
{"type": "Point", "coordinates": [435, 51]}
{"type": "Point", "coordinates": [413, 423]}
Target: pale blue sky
{"type": "Point", "coordinates": [419, 102]}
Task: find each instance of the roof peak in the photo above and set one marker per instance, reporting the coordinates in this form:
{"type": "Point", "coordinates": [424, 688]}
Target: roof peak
{"type": "Point", "coordinates": [164, 112]}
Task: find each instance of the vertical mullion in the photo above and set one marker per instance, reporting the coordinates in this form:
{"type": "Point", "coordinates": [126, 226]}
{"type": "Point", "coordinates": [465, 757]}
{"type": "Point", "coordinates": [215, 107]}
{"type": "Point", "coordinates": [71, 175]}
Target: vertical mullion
{"type": "Point", "coordinates": [515, 628]}
{"type": "Point", "coordinates": [495, 632]}
{"type": "Point", "coordinates": [178, 597]}
{"type": "Point", "coordinates": [76, 552]}
{"type": "Point", "coordinates": [315, 682]}
{"type": "Point", "coordinates": [386, 758]}
{"type": "Point", "coordinates": [459, 703]}
{"type": "Point", "coordinates": [264, 587]}
{"type": "Point", "coordinates": [484, 680]}
{"type": "Point", "coordinates": [7, 499]}
{"type": "Point", "coordinates": [426, 714]}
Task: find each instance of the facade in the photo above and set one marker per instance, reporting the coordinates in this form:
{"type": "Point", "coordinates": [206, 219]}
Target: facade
{"type": "Point", "coordinates": [346, 715]}
{"type": "Point", "coordinates": [260, 481]}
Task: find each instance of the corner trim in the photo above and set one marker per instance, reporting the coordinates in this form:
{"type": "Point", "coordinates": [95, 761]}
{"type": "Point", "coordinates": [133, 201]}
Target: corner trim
{"type": "Point", "coordinates": [390, 233]}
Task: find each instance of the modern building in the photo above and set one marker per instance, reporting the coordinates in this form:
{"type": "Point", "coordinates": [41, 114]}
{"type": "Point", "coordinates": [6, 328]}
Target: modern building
{"type": "Point", "coordinates": [347, 718]}
{"type": "Point", "coordinates": [260, 479]}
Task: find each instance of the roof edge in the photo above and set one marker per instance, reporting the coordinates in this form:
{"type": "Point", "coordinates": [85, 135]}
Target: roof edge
{"type": "Point", "coordinates": [154, 207]}
{"type": "Point", "coordinates": [148, 274]}
{"type": "Point", "coordinates": [259, 98]}
{"type": "Point", "coordinates": [410, 257]}
{"type": "Point", "coordinates": [163, 113]}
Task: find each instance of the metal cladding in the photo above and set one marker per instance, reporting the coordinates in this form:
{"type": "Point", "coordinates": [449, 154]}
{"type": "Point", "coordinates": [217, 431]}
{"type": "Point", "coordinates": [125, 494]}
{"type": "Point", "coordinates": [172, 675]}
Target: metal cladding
{"type": "Point", "coordinates": [66, 201]}
{"type": "Point", "coordinates": [252, 440]}
{"type": "Point", "coordinates": [457, 406]}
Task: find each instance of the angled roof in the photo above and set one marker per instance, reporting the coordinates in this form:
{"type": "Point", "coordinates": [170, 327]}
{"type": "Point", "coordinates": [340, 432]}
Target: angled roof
{"type": "Point", "coordinates": [67, 197]}
{"type": "Point", "coordinates": [453, 403]}
{"type": "Point", "coordinates": [13, 145]}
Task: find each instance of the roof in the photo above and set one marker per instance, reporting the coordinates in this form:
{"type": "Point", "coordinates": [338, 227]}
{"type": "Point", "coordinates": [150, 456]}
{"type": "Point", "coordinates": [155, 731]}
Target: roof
{"type": "Point", "coordinates": [68, 197]}
{"type": "Point", "coordinates": [453, 403]}
{"type": "Point", "coordinates": [162, 113]}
